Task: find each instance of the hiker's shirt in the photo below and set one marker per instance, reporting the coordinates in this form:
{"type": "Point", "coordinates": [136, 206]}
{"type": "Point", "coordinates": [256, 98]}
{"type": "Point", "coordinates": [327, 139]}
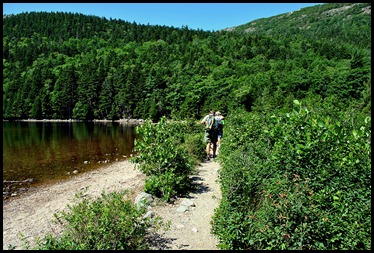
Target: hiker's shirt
{"type": "Point", "coordinates": [206, 118]}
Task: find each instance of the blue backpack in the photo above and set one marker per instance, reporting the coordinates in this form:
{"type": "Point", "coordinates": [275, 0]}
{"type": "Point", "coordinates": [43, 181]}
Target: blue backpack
{"type": "Point", "coordinates": [212, 123]}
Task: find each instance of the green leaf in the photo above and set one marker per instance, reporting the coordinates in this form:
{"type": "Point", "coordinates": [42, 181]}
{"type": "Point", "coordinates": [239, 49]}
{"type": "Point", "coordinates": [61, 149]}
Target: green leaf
{"type": "Point", "coordinates": [354, 132]}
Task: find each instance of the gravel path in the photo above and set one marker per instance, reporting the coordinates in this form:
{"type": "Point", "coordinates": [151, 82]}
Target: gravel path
{"type": "Point", "coordinates": [191, 230]}
{"type": "Point", "coordinates": [32, 212]}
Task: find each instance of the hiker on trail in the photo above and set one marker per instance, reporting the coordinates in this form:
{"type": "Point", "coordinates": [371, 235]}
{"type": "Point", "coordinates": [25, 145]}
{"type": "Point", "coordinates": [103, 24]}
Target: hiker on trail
{"type": "Point", "coordinates": [211, 133]}
{"type": "Point", "coordinates": [220, 128]}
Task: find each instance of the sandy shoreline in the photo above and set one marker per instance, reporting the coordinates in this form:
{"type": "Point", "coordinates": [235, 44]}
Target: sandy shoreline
{"type": "Point", "coordinates": [32, 212]}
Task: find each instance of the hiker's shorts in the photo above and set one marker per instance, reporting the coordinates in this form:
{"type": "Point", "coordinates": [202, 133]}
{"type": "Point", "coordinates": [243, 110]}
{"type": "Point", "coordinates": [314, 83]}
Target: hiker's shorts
{"type": "Point", "coordinates": [211, 136]}
{"type": "Point", "coordinates": [220, 134]}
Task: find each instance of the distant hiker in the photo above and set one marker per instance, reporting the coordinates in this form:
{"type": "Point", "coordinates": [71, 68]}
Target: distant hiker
{"type": "Point", "coordinates": [220, 128]}
{"type": "Point", "coordinates": [211, 133]}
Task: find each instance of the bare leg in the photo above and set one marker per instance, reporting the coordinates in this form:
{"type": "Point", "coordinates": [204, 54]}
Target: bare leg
{"type": "Point", "coordinates": [214, 149]}
{"type": "Point", "coordinates": [208, 149]}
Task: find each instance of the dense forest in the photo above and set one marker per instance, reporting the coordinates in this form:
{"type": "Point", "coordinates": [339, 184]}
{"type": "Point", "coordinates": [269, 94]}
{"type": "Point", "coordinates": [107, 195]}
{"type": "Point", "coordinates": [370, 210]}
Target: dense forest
{"type": "Point", "coordinates": [68, 65]}
{"type": "Point", "coordinates": [295, 89]}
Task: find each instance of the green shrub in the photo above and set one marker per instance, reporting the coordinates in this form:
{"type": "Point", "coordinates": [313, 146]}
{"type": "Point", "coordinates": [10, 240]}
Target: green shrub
{"type": "Point", "coordinates": [107, 223]}
{"type": "Point", "coordinates": [297, 180]}
{"type": "Point", "coordinates": [195, 146]}
{"type": "Point", "coordinates": [166, 157]}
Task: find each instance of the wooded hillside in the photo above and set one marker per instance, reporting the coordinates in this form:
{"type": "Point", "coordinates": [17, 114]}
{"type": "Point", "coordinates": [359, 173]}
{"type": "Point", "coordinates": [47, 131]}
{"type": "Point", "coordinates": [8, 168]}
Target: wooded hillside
{"type": "Point", "coordinates": [69, 65]}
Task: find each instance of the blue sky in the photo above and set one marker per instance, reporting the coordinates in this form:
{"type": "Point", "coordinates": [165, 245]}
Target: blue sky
{"type": "Point", "coordinates": [205, 16]}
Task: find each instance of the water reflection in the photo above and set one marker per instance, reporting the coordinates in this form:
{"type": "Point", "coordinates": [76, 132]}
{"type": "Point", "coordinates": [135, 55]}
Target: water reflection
{"type": "Point", "coordinates": [49, 151]}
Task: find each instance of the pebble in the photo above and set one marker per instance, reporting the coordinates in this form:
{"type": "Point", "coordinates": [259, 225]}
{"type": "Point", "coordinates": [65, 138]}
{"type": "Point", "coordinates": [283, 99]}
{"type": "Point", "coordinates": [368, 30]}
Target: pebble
{"type": "Point", "coordinates": [180, 226]}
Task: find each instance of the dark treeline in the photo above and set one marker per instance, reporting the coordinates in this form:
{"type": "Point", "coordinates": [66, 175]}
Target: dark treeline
{"type": "Point", "coordinates": [68, 65]}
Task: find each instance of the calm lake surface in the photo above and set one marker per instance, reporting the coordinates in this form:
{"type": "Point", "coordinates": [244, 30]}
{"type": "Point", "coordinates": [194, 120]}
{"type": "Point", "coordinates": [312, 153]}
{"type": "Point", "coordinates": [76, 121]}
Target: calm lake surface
{"type": "Point", "coordinates": [51, 151]}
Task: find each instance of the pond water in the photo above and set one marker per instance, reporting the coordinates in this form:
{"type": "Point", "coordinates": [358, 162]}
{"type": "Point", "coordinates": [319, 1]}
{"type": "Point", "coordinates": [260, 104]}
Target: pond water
{"type": "Point", "coordinates": [51, 151]}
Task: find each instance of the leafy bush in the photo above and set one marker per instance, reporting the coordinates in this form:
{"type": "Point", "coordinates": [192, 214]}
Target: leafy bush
{"type": "Point", "coordinates": [195, 145]}
{"type": "Point", "coordinates": [298, 180]}
{"type": "Point", "coordinates": [107, 223]}
{"type": "Point", "coordinates": [166, 157]}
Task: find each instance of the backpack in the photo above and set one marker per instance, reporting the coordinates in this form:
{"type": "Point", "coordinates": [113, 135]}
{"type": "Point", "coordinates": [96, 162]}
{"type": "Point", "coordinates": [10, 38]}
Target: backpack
{"type": "Point", "coordinates": [212, 123]}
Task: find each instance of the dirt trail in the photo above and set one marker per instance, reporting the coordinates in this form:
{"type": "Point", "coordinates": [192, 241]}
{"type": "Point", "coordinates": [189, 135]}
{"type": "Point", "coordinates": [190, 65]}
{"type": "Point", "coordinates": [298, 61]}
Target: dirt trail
{"type": "Point", "coordinates": [191, 230]}
{"type": "Point", "coordinates": [32, 212]}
